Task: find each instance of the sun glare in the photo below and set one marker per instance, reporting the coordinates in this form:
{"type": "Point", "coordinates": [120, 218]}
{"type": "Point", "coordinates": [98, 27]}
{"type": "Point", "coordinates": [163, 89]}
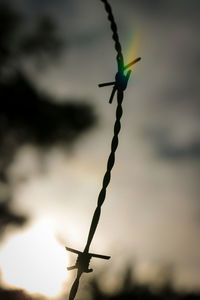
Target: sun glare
{"type": "Point", "coordinates": [35, 261]}
{"type": "Point", "coordinates": [132, 48]}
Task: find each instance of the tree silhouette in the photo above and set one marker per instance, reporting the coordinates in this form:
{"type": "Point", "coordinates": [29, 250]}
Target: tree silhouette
{"type": "Point", "coordinates": [131, 289]}
{"type": "Point", "coordinates": [26, 116]}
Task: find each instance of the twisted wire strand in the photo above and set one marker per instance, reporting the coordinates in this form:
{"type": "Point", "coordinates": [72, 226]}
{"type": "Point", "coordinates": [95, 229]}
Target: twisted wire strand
{"type": "Point", "coordinates": [114, 145]}
{"type": "Point", "coordinates": [107, 176]}
{"type": "Point", "coordinates": [117, 127]}
{"type": "Point", "coordinates": [113, 27]}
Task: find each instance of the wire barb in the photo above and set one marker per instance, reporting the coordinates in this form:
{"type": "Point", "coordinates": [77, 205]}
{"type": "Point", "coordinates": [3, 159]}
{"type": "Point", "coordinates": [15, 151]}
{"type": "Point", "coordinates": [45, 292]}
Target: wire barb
{"type": "Point", "coordinates": [106, 84]}
{"type": "Point", "coordinates": [119, 86]}
{"type": "Point", "coordinates": [121, 79]}
{"type": "Point", "coordinates": [132, 63]}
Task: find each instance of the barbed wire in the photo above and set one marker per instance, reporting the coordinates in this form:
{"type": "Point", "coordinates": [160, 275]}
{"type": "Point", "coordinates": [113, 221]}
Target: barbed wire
{"type": "Point", "coordinates": [119, 85]}
{"type": "Point", "coordinates": [113, 27]}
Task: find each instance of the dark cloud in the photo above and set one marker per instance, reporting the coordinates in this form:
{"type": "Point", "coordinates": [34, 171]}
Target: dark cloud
{"type": "Point", "coordinates": [183, 84]}
{"type": "Point", "coordinates": [180, 7]}
{"type": "Point", "coordinates": [173, 150]}
{"type": "Point", "coordinates": [170, 151]}
{"type": "Point", "coordinates": [149, 6]}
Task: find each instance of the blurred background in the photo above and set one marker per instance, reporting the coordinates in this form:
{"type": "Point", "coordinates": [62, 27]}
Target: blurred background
{"type": "Point", "coordinates": [55, 131]}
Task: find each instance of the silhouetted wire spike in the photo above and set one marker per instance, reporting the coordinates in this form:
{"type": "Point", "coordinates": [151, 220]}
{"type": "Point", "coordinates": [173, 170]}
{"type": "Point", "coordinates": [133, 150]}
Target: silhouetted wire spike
{"type": "Point", "coordinates": [74, 287]}
{"type": "Point", "coordinates": [132, 63]}
{"type": "Point", "coordinates": [106, 84]}
{"type": "Point", "coordinates": [128, 74]}
{"type": "Point", "coordinates": [112, 94]}
{"type": "Point", "coordinates": [71, 268]}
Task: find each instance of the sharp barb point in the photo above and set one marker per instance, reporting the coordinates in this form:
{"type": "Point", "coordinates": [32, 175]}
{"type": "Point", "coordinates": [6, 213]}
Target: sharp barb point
{"type": "Point", "coordinates": [132, 63]}
{"type": "Point", "coordinates": [106, 84]}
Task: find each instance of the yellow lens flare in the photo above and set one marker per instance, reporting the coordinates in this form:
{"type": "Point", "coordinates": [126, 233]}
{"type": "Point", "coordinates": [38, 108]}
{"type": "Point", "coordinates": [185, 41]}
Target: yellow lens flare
{"type": "Point", "coordinates": [132, 47]}
{"type": "Point", "coordinates": [35, 261]}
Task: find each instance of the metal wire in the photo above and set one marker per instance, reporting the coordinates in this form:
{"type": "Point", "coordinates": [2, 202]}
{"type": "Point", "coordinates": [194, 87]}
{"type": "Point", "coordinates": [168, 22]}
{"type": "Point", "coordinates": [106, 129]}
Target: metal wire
{"type": "Point", "coordinates": [113, 27]}
{"type": "Point", "coordinates": [117, 127]}
{"type": "Point", "coordinates": [107, 176]}
{"type": "Point", "coordinates": [119, 85]}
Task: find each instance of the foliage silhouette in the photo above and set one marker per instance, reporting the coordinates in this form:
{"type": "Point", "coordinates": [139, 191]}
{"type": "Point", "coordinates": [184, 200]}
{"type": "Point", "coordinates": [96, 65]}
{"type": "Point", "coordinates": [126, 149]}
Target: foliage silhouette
{"type": "Point", "coordinates": [131, 289]}
{"type": "Point", "coordinates": [27, 116]}
{"type": "Point", "coordinates": [13, 295]}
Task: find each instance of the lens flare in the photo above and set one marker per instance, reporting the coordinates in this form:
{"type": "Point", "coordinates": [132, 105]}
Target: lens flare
{"type": "Point", "coordinates": [132, 47]}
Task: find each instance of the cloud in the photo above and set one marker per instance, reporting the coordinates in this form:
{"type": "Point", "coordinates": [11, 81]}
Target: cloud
{"type": "Point", "coordinates": [155, 182]}
{"type": "Point", "coordinates": [167, 148]}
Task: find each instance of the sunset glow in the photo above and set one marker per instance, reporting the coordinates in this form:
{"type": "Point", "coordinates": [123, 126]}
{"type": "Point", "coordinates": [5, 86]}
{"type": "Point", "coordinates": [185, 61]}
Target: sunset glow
{"type": "Point", "coordinates": [35, 261]}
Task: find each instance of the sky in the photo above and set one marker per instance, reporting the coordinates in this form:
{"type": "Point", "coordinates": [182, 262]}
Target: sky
{"type": "Point", "coordinates": [151, 215]}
